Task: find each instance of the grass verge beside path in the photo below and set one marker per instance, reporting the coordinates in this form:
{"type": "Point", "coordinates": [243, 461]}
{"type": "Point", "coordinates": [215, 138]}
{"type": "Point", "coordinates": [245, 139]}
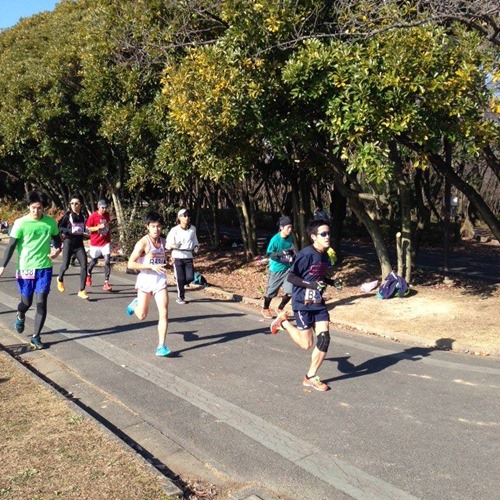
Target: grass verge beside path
{"type": "Point", "coordinates": [48, 450]}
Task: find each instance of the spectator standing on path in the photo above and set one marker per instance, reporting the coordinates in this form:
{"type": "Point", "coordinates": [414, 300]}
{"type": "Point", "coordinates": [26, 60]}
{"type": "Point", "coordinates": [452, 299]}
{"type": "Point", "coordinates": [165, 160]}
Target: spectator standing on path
{"type": "Point", "coordinates": [72, 228]}
{"type": "Point", "coordinates": [320, 213]}
{"type": "Point", "coordinates": [32, 236]}
{"type": "Point", "coordinates": [183, 242]}
{"type": "Point", "coordinates": [148, 257]}
{"type": "Point", "coordinates": [309, 278]}
{"type": "Point", "coordinates": [100, 242]}
{"type": "Point", "coordinates": [281, 253]}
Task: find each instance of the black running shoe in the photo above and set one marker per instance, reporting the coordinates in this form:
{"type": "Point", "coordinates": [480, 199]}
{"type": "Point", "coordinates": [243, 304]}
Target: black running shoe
{"type": "Point", "coordinates": [36, 343]}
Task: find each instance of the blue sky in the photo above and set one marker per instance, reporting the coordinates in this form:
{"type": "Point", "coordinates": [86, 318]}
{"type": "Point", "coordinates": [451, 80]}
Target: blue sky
{"type": "Point", "coordinates": [12, 10]}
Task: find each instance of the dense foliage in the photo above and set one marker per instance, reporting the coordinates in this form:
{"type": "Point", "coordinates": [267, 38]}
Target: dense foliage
{"type": "Point", "coordinates": [384, 110]}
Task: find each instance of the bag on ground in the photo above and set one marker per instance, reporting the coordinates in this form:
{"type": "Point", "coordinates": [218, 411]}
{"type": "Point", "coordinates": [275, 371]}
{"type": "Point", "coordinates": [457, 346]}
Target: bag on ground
{"type": "Point", "coordinates": [198, 279]}
{"type": "Point", "coordinates": [393, 285]}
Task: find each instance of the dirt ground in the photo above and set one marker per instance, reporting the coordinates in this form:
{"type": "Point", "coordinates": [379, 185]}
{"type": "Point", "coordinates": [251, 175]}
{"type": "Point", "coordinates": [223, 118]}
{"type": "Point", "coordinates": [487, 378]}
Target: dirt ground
{"type": "Point", "coordinates": [462, 316]}
{"type": "Point", "coordinates": [36, 424]}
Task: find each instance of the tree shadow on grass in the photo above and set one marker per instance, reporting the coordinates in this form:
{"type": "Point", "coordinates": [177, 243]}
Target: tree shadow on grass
{"type": "Point", "coordinates": [380, 363]}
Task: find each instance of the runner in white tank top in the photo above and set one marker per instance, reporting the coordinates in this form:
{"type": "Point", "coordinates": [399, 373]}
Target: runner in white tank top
{"type": "Point", "coordinates": [148, 280]}
{"type": "Point", "coordinates": [148, 257]}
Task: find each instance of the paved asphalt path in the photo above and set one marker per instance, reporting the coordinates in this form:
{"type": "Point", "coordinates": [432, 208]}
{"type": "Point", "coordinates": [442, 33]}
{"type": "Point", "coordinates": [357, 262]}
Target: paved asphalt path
{"type": "Point", "coordinates": [228, 405]}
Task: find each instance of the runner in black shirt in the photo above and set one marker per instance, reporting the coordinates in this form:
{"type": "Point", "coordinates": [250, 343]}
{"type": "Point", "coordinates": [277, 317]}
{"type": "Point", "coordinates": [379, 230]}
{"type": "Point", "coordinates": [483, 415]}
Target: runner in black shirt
{"type": "Point", "coordinates": [309, 276]}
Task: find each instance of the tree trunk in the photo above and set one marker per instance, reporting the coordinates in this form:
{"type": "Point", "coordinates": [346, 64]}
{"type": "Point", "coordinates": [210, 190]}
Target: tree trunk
{"type": "Point", "coordinates": [492, 161]}
{"type": "Point", "coordinates": [249, 224]}
{"type": "Point", "coordinates": [299, 211]}
{"type": "Point", "coordinates": [446, 215]}
{"type": "Point", "coordinates": [405, 209]}
{"type": "Point", "coordinates": [246, 218]}
{"type": "Point", "coordinates": [423, 214]}
{"type": "Point", "coordinates": [212, 197]}
{"type": "Point", "coordinates": [120, 217]}
{"type": "Point", "coordinates": [214, 203]}
{"type": "Point", "coordinates": [338, 212]}
{"type": "Point", "coordinates": [475, 198]}
{"type": "Point", "coordinates": [361, 213]}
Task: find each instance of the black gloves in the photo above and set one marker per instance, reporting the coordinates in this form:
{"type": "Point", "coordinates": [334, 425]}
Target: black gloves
{"type": "Point", "coordinates": [320, 286]}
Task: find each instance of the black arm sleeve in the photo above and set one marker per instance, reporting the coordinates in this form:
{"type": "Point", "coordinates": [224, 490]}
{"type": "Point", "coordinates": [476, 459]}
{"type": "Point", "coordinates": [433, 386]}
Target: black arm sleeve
{"type": "Point", "coordinates": [297, 281]}
{"type": "Point", "coordinates": [275, 255]}
{"type": "Point", "coordinates": [56, 241]}
{"type": "Point", "coordinates": [9, 251]}
{"type": "Point", "coordinates": [63, 224]}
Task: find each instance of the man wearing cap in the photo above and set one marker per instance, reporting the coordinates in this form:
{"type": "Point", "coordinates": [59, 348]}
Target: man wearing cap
{"type": "Point", "coordinates": [100, 242]}
{"type": "Point", "coordinates": [281, 252]}
{"type": "Point", "coordinates": [183, 242]}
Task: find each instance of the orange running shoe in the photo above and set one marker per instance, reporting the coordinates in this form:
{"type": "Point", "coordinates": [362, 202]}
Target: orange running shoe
{"type": "Point", "coordinates": [315, 383]}
{"type": "Point", "coordinates": [289, 314]}
{"type": "Point", "coordinates": [276, 324]}
{"type": "Point", "coordinates": [267, 313]}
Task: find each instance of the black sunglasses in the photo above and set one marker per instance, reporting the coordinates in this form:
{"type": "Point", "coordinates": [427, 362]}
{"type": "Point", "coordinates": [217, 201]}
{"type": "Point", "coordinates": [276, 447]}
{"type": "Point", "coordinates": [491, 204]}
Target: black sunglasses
{"type": "Point", "coordinates": [324, 234]}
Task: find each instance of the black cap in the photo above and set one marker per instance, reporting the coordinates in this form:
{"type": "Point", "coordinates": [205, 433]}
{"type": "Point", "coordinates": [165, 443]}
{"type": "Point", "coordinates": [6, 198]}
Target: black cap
{"type": "Point", "coordinates": [285, 221]}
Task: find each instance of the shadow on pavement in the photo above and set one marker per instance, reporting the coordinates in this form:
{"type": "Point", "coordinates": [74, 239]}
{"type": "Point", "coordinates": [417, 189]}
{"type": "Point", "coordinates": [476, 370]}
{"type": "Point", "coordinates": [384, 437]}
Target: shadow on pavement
{"type": "Point", "coordinates": [215, 339]}
{"type": "Point", "coordinates": [189, 336]}
{"type": "Point", "coordinates": [380, 363]}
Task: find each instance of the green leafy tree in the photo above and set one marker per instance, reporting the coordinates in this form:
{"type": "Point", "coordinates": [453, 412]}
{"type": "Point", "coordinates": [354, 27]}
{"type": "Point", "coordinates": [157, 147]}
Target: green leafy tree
{"type": "Point", "coordinates": [44, 140]}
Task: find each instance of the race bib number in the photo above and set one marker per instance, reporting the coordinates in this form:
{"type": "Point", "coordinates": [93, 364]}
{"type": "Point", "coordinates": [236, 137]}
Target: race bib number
{"type": "Point", "coordinates": [26, 274]}
{"type": "Point", "coordinates": [312, 297]}
{"type": "Point", "coordinates": [105, 229]}
{"type": "Point", "coordinates": [77, 228]}
{"type": "Point", "coordinates": [157, 260]}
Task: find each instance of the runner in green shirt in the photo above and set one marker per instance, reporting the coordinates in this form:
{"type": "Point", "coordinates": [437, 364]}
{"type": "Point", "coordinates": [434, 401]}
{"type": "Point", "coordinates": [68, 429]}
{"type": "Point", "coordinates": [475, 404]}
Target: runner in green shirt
{"type": "Point", "coordinates": [32, 236]}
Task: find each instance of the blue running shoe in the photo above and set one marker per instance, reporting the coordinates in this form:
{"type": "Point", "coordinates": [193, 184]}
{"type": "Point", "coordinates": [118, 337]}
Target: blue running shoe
{"type": "Point", "coordinates": [132, 306]}
{"type": "Point", "coordinates": [162, 351]}
{"type": "Point", "coordinates": [36, 343]}
{"type": "Point", "coordinates": [19, 324]}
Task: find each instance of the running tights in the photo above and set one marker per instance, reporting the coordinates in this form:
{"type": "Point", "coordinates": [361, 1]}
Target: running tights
{"type": "Point", "coordinates": [183, 272]}
{"type": "Point", "coordinates": [107, 266]}
{"type": "Point", "coordinates": [68, 251]}
{"type": "Point", "coordinates": [41, 309]}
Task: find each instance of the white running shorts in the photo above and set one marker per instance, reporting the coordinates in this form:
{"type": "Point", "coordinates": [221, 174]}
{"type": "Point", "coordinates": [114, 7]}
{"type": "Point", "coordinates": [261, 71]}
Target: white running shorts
{"type": "Point", "coordinates": [151, 283]}
{"type": "Point", "coordinates": [96, 252]}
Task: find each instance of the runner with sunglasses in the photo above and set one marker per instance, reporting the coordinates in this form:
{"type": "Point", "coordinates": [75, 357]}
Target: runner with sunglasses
{"type": "Point", "coordinates": [309, 277]}
{"type": "Point", "coordinates": [72, 228]}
